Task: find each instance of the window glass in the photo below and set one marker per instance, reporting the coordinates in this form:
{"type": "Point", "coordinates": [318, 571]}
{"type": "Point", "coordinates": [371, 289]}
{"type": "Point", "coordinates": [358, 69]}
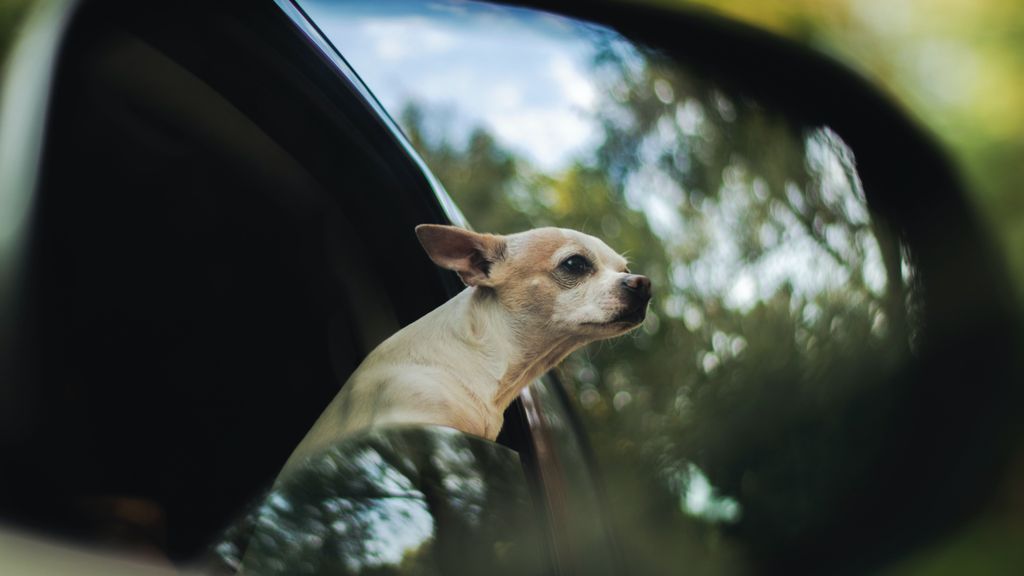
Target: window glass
{"type": "Point", "coordinates": [402, 500]}
{"type": "Point", "coordinates": [736, 423]}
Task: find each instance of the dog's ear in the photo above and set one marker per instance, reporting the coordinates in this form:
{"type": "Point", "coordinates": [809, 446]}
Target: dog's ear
{"type": "Point", "coordinates": [470, 254]}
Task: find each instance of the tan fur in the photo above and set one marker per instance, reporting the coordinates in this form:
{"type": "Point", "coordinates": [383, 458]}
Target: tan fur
{"type": "Point", "coordinates": [463, 363]}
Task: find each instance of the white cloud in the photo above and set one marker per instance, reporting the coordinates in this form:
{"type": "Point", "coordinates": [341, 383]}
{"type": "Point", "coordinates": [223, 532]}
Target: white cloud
{"type": "Point", "coordinates": [545, 135]}
{"type": "Point", "coordinates": [507, 95]}
{"type": "Point", "coordinates": [395, 39]}
{"type": "Point", "coordinates": [577, 88]}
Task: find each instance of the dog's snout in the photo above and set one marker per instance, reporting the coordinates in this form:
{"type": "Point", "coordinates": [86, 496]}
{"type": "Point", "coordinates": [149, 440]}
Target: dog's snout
{"type": "Point", "coordinates": [637, 285]}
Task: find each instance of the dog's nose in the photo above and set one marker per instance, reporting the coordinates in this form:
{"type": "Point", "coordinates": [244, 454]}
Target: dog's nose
{"type": "Point", "coordinates": [638, 285]}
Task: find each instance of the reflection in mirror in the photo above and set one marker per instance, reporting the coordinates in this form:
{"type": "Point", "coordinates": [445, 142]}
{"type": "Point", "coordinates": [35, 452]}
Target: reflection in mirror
{"type": "Point", "coordinates": [403, 500]}
{"type": "Point", "coordinates": [736, 426]}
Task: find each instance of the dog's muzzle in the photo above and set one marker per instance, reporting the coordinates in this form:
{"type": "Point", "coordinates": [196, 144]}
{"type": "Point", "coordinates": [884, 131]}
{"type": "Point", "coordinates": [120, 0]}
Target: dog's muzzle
{"type": "Point", "coordinates": [637, 293]}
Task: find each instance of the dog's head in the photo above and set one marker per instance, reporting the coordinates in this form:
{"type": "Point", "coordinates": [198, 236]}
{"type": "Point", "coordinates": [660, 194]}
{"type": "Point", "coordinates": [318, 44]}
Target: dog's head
{"type": "Point", "coordinates": [561, 281]}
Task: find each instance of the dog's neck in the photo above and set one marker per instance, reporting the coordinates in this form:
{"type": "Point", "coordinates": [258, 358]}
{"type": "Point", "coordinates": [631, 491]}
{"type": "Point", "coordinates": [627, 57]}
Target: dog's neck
{"type": "Point", "coordinates": [515, 354]}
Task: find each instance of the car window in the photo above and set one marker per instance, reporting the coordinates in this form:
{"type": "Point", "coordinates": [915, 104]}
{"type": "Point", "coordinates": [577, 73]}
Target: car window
{"type": "Point", "coordinates": [753, 411]}
{"type": "Point", "coordinates": [400, 500]}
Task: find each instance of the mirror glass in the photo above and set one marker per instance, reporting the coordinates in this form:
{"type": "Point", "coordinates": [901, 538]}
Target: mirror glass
{"type": "Point", "coordinates": [735, 425]}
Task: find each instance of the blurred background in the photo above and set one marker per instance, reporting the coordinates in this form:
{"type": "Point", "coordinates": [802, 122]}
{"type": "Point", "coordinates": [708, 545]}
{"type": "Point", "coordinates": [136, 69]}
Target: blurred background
{"type": "Point", "coordinates": [954, 65]}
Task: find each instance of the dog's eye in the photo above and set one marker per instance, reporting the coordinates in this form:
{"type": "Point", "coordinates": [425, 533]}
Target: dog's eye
{"type": "Point", "coordinates": [576, 265]}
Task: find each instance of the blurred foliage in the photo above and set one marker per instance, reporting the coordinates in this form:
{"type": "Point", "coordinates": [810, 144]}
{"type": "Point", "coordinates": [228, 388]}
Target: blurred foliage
{"type": "Point", "coordinates": [956, 65]}
{"type": "Point", "coordinates": [735, 424]}
{"type": "Point", "coordinates": [12, 12]}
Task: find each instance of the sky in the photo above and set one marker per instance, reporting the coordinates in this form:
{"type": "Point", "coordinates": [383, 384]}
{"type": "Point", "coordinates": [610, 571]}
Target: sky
{"type": "Point", "coordinates": [522, 75]}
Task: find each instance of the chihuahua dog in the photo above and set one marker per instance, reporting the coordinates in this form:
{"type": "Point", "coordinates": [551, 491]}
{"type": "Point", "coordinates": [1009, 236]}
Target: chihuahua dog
{"type": "Point", "coordinates": [531, 299]}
